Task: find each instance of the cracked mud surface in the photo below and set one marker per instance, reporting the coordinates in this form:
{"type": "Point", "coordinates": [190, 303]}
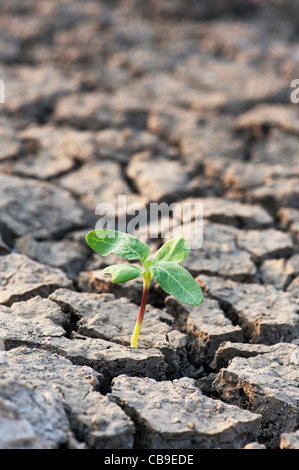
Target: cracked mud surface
{"type": "Point", "coordinates": [173, 101]}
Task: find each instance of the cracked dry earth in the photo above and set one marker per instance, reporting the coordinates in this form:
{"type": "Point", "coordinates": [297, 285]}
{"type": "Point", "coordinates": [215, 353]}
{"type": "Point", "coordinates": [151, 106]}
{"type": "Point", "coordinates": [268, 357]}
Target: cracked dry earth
{"type": "Point", "coordinates": [162, 101]}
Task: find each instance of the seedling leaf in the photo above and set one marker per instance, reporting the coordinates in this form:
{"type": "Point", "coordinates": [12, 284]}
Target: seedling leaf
{"type": "Point", "coordinates": [133, 249]}
{"type": "Point", "coordinates": [177, 281]}
{"type": "Point", "coordinates": [105, 241]}
{"type": "Point", "coordinates": [122, 272]}
{"type": "Point", "coordinates": [174, 250]}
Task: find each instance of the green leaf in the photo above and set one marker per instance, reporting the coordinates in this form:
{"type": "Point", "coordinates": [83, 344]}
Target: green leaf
{"type": "Point", "coordinates": [105, 241]}
{"type": "Point", "coordinates": [132, 248]}
{"type": "Point", "coordinates": [177, 281]}
{"type": "Point", "coordinates": [122, 244]}
{"type": "Point", "coordinates": [123, 272]}
{"type": "Point", "coordinates": [175, 250]}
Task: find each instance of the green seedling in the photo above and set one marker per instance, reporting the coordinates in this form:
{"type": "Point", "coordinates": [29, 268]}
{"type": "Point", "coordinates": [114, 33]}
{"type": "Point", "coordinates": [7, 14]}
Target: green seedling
{"type": "Point", "coordinates": [164, 268]}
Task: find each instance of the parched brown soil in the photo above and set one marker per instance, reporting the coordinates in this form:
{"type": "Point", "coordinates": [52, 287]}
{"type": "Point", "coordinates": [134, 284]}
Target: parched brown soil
{"type": "Point", "coordinates": [179, 101]}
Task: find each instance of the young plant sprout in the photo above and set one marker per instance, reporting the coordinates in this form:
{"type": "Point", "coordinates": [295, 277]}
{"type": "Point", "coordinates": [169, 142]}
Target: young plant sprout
{"type": "Point", "coordinates": [164, 268]}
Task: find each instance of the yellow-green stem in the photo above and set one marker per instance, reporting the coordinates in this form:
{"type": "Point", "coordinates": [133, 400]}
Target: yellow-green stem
{"type": "Point", "coordinates": [135, 335]}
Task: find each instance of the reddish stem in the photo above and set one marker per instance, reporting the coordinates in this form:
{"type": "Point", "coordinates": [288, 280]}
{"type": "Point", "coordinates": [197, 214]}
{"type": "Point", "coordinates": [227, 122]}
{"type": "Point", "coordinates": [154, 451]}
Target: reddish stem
{"type": "Point", "coordinates": [143, 305]}
{"type": "Point", "coordinates": [139, 321]}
